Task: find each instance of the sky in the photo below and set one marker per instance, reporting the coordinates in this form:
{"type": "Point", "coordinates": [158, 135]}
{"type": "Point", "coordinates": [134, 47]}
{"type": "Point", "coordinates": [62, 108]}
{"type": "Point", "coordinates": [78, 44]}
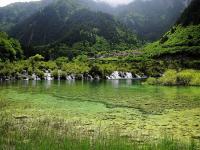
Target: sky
{"type": "Point", "coordinates": [6, 2]}
{"type": "Point", "coordinates": [111, 2]}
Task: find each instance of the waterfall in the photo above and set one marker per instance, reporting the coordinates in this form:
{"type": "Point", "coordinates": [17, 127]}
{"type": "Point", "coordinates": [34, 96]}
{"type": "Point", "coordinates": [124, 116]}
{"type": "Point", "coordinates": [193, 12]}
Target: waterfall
{"type": "Point", "coordinates": [128, 75]}
{"type": "Point", "coordinates": [115, 75]}
{"type": "Point", "coordinates": [47, 76]}
{"type": "Point", "coordinates": [70, 77]}
{"type": "Point", "coordinates": [35, 77]}
{"type": "Point", "coordinates": [120, 75]}
{"type": "Point", "coordinates": [138, 76]}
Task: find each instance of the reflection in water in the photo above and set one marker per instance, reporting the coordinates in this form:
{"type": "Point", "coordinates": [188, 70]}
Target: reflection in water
{"type": "Point", "coordinates": [129, 82]}
{"type": "Point", "coordinates": [115, 83]}
{"type": "Point", "coordinates": [34, 83]}
{"type": "Point", "coordinates": [70, 82]}
{"type": "Point", "coordinates": [48, 83]}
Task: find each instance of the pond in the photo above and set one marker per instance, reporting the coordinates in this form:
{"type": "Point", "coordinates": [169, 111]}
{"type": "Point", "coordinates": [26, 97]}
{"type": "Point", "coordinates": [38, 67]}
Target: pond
{"type": "Point", "coordinates": [126, 106]}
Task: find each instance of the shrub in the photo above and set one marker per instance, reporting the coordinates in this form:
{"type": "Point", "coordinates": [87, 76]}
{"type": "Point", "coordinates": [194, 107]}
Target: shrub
{"type": "Point", "coordinates": [151, 81]}
{"type": "Point", "coordinates": [184, 77]}
{"type": "Point", "coordinates": [169, 78]}
{"type": "Point", "coordinates": [195, 81]}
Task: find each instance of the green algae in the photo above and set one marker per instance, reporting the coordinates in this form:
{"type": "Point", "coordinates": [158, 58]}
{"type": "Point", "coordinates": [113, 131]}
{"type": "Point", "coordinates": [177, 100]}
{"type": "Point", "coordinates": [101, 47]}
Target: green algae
{"type": "Point", "coordinates": [139, 112]}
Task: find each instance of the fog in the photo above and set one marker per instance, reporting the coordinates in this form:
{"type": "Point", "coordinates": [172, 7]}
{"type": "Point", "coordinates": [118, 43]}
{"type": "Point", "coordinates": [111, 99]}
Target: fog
{"type": "Point", "coordinates": [7, 2]}
{"type": "Point", "coordinates": [111, 2]}
{"type": "Point", "coordinates": [116, 2]}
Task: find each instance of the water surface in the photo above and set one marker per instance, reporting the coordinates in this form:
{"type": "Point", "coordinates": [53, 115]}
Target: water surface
{"type": "Point", "coordinates": [134, 109]}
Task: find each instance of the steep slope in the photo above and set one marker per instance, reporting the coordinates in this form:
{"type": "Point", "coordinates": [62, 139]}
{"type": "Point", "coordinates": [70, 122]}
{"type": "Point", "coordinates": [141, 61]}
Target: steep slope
{"type": "Point", "coordinates": [70, 23]}
{"type": "Point", "coordinates": [44, 26]}
{"type": "Point", "coordinates": [150, 19]}
{"type": "Point", "coordinates": [191, 15]}
{"type": "Point", "coordinates": [182, 42]}
{"type": "Point", "coordinates": [15, 13]}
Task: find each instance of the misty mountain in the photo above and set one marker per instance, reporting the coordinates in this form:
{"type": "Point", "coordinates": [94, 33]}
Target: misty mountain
{"type": "Point", "coordinates": [71, 24]}
{"type": "Point", "coordinates": [59, 19]}
{"type": "Point", "coordinates": [191, 15]}
{"type": "Point", "coordinates": [151, 18]}
{"type": "Point", "coordinates": [15, 13]}
{"type": "Point", "coordinates": [182, 41]}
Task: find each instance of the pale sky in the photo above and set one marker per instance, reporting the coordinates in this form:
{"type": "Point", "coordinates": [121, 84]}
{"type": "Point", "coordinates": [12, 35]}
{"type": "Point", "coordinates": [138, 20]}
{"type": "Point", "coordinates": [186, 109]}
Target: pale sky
{"type": "Point", "coordinates": [6, 2]}
{"type": "Point", "coordinates": [112, 2]}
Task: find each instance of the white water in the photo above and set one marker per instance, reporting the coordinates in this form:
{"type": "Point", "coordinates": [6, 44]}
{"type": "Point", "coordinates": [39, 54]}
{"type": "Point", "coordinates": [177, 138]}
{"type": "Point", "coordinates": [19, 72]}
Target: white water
{"type": "Point", "coordinates": [35, 77]}
{"type": "Point", "coordinates": [70, 77]}
{"type": "Point", "coordinates": [47, 76]}
{"type": "Point", "coordinates": [128, 75]}
{"type": "Point", "coordinates": [123, 75]}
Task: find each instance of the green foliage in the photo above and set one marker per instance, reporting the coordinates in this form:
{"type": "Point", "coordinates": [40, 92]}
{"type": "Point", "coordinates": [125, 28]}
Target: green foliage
{"type": "Point", "coordinates": [151, 81]}
{"type": "Point", "coordinates": [61, 61]}
{"type": "Point", "coordinates": [172, 77]}
{"type": "Point", "coordinates": [169, 78]}
{"type": "Point", "coordinates": [37, 57]}
{"type": "Point", "coordinates": [10, 49]}
{"type": "Point", "coordinates": [182, 44]}
{"type": "Point", "coordinates": [62, 30]}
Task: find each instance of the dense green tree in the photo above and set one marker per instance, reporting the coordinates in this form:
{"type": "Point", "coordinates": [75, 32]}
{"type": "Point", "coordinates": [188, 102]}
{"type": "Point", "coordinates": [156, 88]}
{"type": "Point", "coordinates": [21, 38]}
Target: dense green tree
{"type": "Point", "coordinates": [10, 49]}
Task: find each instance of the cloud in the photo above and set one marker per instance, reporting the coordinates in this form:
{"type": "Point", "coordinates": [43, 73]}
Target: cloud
{"type": "Point", "coordinates": [111, 2]}
{"type": "Point", "coordinates": [6, 2]}
{"type": "Point", "coordinates": [116, 2]}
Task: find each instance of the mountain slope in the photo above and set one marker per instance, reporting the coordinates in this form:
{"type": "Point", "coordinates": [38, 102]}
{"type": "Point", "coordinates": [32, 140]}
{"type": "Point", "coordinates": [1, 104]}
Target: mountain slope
{"type": "Point", "coordinates": [70, 23]}
{"type": "Point", "coordinates": [182, 42]}
{"type": "Point", "coordinates": [150, 19]}
{"type": "Point", "coordinates": [191, 15]}
{"type": "Point", "coordinates": [15, 13]}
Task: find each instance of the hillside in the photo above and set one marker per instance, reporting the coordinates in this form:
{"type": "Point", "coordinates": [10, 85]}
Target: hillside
{"type": "Point", "coordinates": [150, 19]}
{"type": "Point", "coordinates": [15, 13]}
{"type": "Point", "coordinates": [69, 27]}
{"type": "Point", "coordinates": [182, 42]}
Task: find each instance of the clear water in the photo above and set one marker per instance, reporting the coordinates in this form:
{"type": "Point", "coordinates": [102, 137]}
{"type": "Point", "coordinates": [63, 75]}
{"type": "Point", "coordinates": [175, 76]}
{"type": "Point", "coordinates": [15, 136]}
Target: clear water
{"type": "Point", "coordinates": [134, 109]}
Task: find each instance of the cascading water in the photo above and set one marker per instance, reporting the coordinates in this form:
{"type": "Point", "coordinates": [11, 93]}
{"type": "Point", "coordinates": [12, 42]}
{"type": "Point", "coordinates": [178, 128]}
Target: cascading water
{"type": "Point", "coordinates": [116, 75]}
{"type": "Point", "coordinates": [128, 75]}
{"type": "Point", "coordinates": [70, 77]}
{"type": "Point", "coordinates": [47, 76]}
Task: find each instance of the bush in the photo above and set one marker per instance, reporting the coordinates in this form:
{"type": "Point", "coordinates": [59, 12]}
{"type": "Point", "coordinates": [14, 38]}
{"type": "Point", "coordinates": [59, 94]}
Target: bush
{"type": "Point", "coordinates": [151, 81]}
{"type": "Point", "coordinates": [184, 77]}
{"type": "Point", "coordinates": [195, 81]}
{"type": "Point", "coordinates": [169, 78]}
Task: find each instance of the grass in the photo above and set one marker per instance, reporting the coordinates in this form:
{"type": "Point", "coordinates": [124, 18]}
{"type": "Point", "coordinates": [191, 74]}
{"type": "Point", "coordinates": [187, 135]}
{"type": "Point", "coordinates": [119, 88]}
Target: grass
{"type": "Point", "coordinates": [21, 132]}
{"type": "Point", "coordinates": [51, 137]}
